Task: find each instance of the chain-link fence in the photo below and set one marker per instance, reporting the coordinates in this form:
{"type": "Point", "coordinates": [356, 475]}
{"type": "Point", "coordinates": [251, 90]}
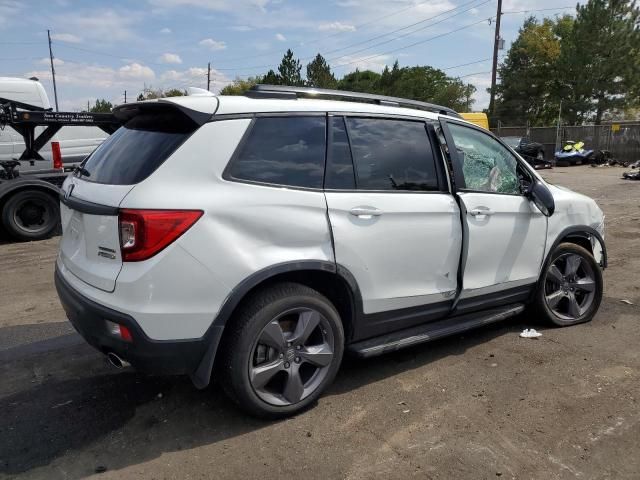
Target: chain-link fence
{"type": "Point", "coordinates": [622, 139]}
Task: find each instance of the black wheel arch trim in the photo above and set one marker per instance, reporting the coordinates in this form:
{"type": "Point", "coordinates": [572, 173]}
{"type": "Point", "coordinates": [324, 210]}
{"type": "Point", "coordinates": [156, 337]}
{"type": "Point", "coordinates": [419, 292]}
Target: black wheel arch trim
{"type": "Point", "coordinates": [581, 231]}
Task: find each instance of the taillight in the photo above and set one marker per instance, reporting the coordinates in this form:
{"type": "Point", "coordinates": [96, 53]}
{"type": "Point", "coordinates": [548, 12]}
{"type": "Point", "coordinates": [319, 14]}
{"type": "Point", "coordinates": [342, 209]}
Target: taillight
{"type": "Point", "coordinates": [57, 155]}
{"type": "Point", "coordinates": [144, 233]}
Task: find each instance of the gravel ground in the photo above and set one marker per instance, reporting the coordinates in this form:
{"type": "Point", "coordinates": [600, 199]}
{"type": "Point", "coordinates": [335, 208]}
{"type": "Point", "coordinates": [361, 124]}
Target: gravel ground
{"type": "Point", "coordinates": [486, 404]}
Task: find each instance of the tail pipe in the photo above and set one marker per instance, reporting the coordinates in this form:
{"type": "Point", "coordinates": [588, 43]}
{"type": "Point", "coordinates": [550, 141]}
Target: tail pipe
{"type": "Point", "coordinates": [116, 361]}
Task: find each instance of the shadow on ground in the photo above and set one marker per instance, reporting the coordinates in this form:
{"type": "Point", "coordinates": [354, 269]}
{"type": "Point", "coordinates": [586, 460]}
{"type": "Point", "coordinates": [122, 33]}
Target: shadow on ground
{"type": "Point", "coordinates": [85, 403]}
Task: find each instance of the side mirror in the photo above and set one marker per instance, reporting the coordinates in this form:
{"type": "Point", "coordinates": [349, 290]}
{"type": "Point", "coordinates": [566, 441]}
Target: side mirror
{"type": "Point", "coordinates": [542, 197]}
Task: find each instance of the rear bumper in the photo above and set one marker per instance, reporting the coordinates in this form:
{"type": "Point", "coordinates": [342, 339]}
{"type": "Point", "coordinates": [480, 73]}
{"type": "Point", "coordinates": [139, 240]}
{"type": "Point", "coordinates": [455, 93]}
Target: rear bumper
{"type": "Point", "coordinates": [143, 353]}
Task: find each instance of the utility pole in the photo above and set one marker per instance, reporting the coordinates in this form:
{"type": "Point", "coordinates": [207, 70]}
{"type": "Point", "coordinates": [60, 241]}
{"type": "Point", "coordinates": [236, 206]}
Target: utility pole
{"type": "Point", "coordinates": [87, 105]}
{"type": "Point", "coordinates": [496, 45]}
{"type": "Point", "coordinates": [209, 76]}
{"type": "Point", "coordinates": [125, 96]}
{"type": "Point", "coordinates": [53, 71]}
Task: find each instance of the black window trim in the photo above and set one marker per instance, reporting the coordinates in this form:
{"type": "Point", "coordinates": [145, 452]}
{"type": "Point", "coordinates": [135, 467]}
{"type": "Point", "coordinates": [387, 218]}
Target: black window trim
{"type": "Point", "coordinates": [443, 185]}
{"type": "Point", "coordinates": [226, 175]}
{"type": "Point", "coordinates": [458, 175]}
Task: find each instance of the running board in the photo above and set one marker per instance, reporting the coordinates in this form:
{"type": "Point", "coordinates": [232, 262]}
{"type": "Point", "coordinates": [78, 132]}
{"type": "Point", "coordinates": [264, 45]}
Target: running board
{"type": "Point", "coordinates": [432, 331]}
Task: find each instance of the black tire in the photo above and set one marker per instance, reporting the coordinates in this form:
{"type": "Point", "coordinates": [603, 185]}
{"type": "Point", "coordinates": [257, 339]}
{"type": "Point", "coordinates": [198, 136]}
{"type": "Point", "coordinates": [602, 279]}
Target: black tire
{"type": "Point", "coordinates": [241, 340]}
{"type": "Point", "coordinates": [546, 285]}
{"type": "Point", "coordinates": [31, 215]}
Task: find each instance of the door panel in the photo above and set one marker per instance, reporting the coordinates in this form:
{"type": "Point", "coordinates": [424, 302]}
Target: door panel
{"type": "Point", "coordinates": [505, 233]}
{"type": "Point", "coordinates": [403, 255]}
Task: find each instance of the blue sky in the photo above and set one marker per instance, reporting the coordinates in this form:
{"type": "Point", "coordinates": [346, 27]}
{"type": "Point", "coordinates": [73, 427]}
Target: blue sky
{"type": "Point", "coordinates": [104, 48]}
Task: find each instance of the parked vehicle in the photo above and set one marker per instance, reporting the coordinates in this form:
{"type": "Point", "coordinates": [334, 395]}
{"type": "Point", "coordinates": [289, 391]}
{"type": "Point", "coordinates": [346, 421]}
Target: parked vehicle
{"type": "Point", "coordinates": [75, 142]}
{"type": "Point", "coordinates": [532, 152]}
{"type": "Point", "coordinates": [478, 118]}
{"type": "Point", "coordinates": [262, 237]}
{"type": "Point", "coordinates": [574, 153]}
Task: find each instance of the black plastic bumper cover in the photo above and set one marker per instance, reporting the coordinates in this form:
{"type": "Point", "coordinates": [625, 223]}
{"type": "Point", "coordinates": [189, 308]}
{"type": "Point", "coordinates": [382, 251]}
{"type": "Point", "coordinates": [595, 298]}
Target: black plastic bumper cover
{"type": "Point", "coordinates": [143, 353]}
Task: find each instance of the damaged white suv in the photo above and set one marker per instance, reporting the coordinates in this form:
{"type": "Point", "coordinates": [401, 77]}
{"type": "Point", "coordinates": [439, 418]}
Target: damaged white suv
{"type": "Point", "coordinates": [260, 237]}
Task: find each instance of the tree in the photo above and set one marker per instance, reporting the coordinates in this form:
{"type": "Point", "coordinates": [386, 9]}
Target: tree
{"type": "Point", "coordinates": [239, 86]}
{"type": "Point", "coordinates": [101, 106]}
{"type": "Point", "coordinates": [272, 78]}
{"type": "Point", "coordinates": [289, 70]}
{"type": "Point", "coordinates": [527, 91]}
{"type": "Point", "coordinates": [319, 73]}
{"type": "Point", "coordinates": [601, 60]}
{"type": "Point", "coordinates": [361, 81]}
{"type": "Point", "coordinates": [174, 92]}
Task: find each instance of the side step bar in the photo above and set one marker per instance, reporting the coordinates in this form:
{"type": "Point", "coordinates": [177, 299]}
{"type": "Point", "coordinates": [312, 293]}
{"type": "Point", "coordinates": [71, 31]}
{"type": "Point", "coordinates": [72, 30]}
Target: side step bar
{"type": "Point", "coordinates": [432, 331]}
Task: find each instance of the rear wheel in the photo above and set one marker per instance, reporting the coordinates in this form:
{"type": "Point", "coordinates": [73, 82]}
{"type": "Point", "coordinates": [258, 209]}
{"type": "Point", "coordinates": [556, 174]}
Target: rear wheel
{"type": "Point", "coordinates": [540, 156]}
{"type": "Point", "coordinates": [284, 350]}
{"type": "Point", "coordinates": [31, 215]}
{"type": "Point", "coordinates": [571, 286]}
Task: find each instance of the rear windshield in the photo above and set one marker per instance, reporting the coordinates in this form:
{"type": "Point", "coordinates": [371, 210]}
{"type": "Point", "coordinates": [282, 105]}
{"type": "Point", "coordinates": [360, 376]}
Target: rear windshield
{"type": "Point", "coordinates": [137, 149]}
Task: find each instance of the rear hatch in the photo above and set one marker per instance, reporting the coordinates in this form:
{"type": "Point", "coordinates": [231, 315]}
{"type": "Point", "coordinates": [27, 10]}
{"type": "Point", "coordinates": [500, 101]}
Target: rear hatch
{"type": "Point", "coordinates": [90, 246]}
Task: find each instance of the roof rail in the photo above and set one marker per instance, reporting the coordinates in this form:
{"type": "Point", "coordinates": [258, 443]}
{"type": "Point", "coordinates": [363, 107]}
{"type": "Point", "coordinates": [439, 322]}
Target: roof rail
{"type": "Point", "coordinates": [286, 92]}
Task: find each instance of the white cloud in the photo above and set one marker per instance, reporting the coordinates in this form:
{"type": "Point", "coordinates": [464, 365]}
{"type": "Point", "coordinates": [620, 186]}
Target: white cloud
{"type": "Point", "coordinates": [135, 71]}
{"type": "Point", "coordinates": [46, 61]}
{"type": "Point", "coordinates": [105, 25]}
{"type": "Point", "coordinates": [217, 5]}
{"type": "Point", "coordinates": [337, 27]}
{"type": "Point", "coordinates": [350, 63]}
{"type": "Point", "coordinates": [170, 58]}
{"type": "Point", "coordinates": [8, 9]}
{"type": "Point", "coordinates": [193, 77]}
{"type": "Point", "coordinates": [212, 44]}
{"type": "Point", "coordinates": [280, 37]}
{"type": "Point", "coordinates": [241, 28]}
{"type": "Point", "coordinates": [165, 30]}
{"type": "Point", "coordinates": [66, 37]}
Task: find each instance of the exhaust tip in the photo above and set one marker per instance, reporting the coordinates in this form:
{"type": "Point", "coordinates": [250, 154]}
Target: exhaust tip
{"type": "Point", "coordinates": [116, 361]}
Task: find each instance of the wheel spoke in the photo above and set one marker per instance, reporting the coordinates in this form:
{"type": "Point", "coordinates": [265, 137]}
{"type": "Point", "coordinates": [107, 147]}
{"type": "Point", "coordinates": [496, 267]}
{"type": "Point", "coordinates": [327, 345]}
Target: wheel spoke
{"type": "Point", "coordinates": [585, 284]}
{"type": "Point", "coordinates": [574, 307]}
{"type": "Point", "coordinates": [572, 264]}
{"type": "Point", "coordinates": [555, 274]}
{"type": "Point", "coordinates": [293, 389]}
{"type": "Point", "coordinates": [554, 298]}
{"type": "Point", "coordinates": [273, 336]}
{"type": "Point", "coordinates": [318, 355]}
{"type": "Point", "coordinates": [262, 374]}
{"type": "Point", "coordinates": [307, 323]}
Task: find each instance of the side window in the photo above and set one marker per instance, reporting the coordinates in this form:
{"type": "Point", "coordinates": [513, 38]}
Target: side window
{"type": "Point", "coordinates": [283, 151]}
{"type": "Point", "coordinates": [339, 174]}
{"type": "Point", "coordinates": [486, 165]}
{"type": "Point", "coordinates": [392, 154]}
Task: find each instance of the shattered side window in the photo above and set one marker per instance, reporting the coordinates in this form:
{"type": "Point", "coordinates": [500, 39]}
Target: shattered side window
{"type": "Point", "coordinates": [486, 165]}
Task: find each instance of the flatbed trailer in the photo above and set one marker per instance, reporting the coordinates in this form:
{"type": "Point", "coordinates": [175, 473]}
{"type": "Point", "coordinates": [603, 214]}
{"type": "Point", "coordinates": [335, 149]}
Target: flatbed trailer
{"type": "Point", "coordinates": [29, 205]}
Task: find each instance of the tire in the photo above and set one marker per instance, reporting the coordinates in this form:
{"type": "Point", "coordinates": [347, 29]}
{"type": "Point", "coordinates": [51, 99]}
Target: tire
{"type": "Point", "coordinates": [262, 369]}
{"type": "Point", "coordinates": [540, 156]}
{"type": "Point", "coordinates": [564, 298]}
{"type": "Point", "coordinates": [31, 215]}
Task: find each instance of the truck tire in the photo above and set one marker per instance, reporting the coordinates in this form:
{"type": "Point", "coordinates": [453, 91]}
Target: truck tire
{"type": "Point", "coordinates": [31, 215]}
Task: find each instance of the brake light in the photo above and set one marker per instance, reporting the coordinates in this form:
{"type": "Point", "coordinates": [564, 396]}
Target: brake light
{"type": "Point", "coordinates": [144, 233]}
{"type": "Point", "coordinates": [57, 155]}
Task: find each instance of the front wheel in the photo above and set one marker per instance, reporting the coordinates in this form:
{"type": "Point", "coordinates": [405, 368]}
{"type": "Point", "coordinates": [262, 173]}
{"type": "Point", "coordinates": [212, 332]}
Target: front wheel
{"type": "Point", "coordinates": [284, 349]}
{"type": "Point", "coordinates": [31, 215]}
{"type": "Point", "coordinates": [571, 286]}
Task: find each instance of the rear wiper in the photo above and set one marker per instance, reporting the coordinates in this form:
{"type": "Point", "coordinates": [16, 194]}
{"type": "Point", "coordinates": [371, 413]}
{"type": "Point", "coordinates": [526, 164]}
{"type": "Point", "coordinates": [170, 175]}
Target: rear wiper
{"type": "Point", "coordinates": [81, 171]}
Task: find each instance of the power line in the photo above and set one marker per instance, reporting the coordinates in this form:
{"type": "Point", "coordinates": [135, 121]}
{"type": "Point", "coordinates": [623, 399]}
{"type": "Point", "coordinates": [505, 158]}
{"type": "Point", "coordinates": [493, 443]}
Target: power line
{"type": "Point", "coordinates": [472, 74]}
{"type": "Point", "coordinates": [538, 10]}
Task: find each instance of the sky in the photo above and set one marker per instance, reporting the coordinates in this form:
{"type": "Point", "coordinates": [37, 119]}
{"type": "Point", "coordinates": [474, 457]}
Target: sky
{"type": "Point", "coordinates": [103, 48]}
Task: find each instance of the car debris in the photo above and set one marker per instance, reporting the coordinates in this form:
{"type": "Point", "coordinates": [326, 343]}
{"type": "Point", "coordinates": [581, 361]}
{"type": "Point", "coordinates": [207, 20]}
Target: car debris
{"type": "Point", "coordinates": [631, 175]}
{"type": "Point", "coordinates": [628, 302]}
{"type": "Point", "coordinates": [530, 333]}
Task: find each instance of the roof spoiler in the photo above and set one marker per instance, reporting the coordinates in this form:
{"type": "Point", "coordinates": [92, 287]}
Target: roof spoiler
{"type": "Point", "coordinates": [127, 111]}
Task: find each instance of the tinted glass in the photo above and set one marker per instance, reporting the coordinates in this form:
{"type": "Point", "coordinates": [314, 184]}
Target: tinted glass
{"type": "Point", "coordinates": [339, 173]}
{"type": "Point", "coordinates": [486, 164]}
{"type": "Point", "coordinates": [392, 155]}
{"type": "Point", "coordinates": [284, 151]}
{"type": "Point", "coordinates": [137, 149]}
{"type": "Point", "coordinates": [513, 142]}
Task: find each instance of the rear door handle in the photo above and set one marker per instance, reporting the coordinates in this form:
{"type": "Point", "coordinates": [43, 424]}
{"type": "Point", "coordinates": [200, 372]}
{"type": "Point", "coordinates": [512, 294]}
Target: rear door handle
{"type": "Point", "coordinates": [481, 212]}
{"type": "Point", "coordinates": [365, 212]}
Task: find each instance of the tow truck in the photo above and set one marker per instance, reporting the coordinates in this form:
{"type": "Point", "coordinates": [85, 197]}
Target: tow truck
{"type": "Point", "coordinates": [29, 207]}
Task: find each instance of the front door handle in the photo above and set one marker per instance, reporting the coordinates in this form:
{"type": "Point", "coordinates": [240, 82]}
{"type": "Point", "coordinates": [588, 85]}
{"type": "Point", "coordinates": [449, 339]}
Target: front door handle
{"type": "Point", "coordinates": [365, 212]}
{"type": "Point", "coordinates": [481, 212]}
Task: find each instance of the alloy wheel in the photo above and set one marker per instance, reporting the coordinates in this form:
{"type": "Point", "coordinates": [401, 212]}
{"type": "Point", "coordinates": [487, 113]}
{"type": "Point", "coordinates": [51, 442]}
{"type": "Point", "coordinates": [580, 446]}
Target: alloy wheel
{"type": "Point", "coordinates": [570, 286]}
{"type": "Point", "coordinates": [291, 357]}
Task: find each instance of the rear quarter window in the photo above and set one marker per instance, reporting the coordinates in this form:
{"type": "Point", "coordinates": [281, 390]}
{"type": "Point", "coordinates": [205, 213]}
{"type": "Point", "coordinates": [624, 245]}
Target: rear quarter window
{"type": "Point", "coordinates": [287, 151]}
{"type": "Point", "coordinates": [138, 148]}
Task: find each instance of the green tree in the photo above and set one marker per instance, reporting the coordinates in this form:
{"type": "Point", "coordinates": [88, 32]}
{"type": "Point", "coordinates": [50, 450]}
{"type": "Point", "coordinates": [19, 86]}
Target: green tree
{"type": "Point", "coordinates": [361, 81]}
{"type": "Point", "coordinates": [271, 78]}
{"type": "Point", "coordinates": [529, 74]}
{"type": "Point", "coordinates": [289, 70]}
{"type": "Point", "coordinates": [101, 106]}
{"type": "Point", "coordinates": [174, 92]}
{"type": "Point", "coordinates": [319, 73]}
{"type": "Point", "coordinates": [240, 86]}
{"type": "Point", "coordinates": [601, 60]}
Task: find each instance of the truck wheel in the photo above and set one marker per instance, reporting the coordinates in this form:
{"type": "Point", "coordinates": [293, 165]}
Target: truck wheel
{"type": "Point", "coordinates": [571, 286]}
{"type": "Point", "coordinates": [284, 348]}
{"type": "Point", "coordinates": [30, 215]}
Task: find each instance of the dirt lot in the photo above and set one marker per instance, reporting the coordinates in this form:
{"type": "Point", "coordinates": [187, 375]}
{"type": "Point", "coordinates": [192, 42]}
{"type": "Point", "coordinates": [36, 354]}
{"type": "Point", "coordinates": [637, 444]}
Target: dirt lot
{"type": "Point", "coordinates": [484, 405]}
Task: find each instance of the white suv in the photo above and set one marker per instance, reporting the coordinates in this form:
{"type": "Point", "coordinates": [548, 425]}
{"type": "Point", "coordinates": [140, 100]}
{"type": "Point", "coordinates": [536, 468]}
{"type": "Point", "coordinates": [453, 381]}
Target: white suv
{"type": "Point", "coordinates": [266, 234]}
